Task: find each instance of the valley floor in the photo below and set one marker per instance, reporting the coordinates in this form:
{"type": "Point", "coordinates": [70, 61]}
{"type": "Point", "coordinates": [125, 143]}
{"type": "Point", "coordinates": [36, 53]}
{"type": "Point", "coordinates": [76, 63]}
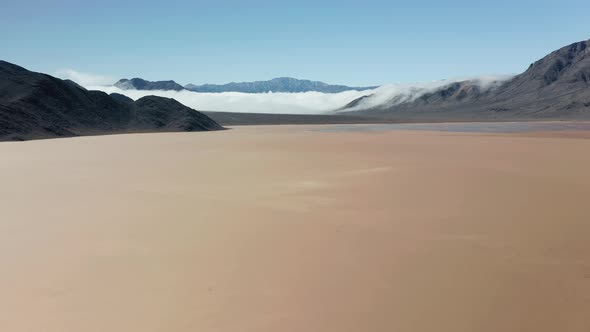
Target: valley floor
{"type": "Point", "coordinates": [296, 228]}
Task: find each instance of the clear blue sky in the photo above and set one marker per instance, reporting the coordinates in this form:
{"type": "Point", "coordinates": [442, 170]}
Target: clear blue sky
{"type": "Point", "coordinates": [349, 42]}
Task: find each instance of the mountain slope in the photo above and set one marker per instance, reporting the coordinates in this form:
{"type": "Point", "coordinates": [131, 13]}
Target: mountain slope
{"type": "Point", "coordinates": [559, 82]}
{"type": "Point", "coordinates": [141, 84]}
{"type": "Point", "coordinates": [35, 105]}
{"type": "Point", "coordinates": [282, 84]}
{"type": "Point", "coordinates": [557, 86]}
{"type": "Point", "coordinates": [168, 114]}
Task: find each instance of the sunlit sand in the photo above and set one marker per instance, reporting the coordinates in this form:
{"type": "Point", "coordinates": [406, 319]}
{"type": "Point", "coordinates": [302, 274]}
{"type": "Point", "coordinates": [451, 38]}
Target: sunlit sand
{"type": "Point", "coordinates": [291, 228]}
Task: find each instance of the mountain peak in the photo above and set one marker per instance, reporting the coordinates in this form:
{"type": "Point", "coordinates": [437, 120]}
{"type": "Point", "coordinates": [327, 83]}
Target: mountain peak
{"type": "Point", "coordinates": [6, 67]}
{"type": "Point", "coordinates": [141, 84]}
{"type": "Point", "coordinates": [569, 64]}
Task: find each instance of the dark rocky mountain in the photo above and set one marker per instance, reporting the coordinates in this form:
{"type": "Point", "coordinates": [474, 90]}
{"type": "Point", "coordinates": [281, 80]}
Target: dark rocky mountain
{"type": "Point", "coordinates": [167, 114]}
{"type": "Point", "coordinates": [282, 84]}
{"type": "Point", "coordinates": [555, 87]}
{"type": "Point", "coordinates": [141, 84]}
{"type": "Point", "coordinates": [558, 84]}
{"type": "Point", "coordinates": [35, 105]}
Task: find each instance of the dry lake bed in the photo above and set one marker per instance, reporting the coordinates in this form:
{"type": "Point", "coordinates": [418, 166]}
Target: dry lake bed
{"type": "Point", "coordinates": [299, 228]}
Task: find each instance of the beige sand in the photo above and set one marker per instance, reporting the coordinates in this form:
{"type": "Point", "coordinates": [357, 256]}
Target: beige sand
{"type": "Point", "coordinates": [285, 229]}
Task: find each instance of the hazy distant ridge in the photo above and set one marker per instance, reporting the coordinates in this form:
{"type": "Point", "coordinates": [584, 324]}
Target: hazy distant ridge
{"type": "Point", "coordinates": [141, 84]}
{"type": "Point", "coordinates": [281, 84]}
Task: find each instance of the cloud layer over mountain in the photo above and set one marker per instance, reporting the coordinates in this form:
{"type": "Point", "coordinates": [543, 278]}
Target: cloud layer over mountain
{"type": "Point", "coordinates": [84, 79]}
{"type": "Point", "coordinates": [293, 103]}
{"type": "Point", "coordinates": [393, 94]}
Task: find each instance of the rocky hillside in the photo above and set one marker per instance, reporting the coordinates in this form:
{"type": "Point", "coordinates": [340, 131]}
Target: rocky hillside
{"type": "Point", "coordinates": [555, 87]}
{"type": "Point", "coordinates": [35, 105]}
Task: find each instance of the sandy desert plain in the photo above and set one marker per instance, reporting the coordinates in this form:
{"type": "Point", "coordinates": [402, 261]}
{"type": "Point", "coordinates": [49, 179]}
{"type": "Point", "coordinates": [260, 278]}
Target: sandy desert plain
{"type": "Point", "coordinates": [297, 228]}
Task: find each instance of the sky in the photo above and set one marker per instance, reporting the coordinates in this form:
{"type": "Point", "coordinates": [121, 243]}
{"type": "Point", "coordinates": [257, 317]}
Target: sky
{"type": "Point", "coordinates": [342, 42]}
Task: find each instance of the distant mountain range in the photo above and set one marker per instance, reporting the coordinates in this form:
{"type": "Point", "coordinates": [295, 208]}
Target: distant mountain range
{"type": "Point", "coordinates": [35, 105]}
{"type": "Point", "coordinates": [282, 84]}
{"type": "Point", "coordinates": [554, 87]}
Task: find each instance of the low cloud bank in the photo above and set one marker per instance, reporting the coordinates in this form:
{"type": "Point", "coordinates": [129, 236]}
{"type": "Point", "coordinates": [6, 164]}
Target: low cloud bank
{"type": "Point", "coordinates": [393, 94]}
{"type": "Point", "coordinates": [293, 103]}
{"type": "Point", "coordinates": [84, 79]}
